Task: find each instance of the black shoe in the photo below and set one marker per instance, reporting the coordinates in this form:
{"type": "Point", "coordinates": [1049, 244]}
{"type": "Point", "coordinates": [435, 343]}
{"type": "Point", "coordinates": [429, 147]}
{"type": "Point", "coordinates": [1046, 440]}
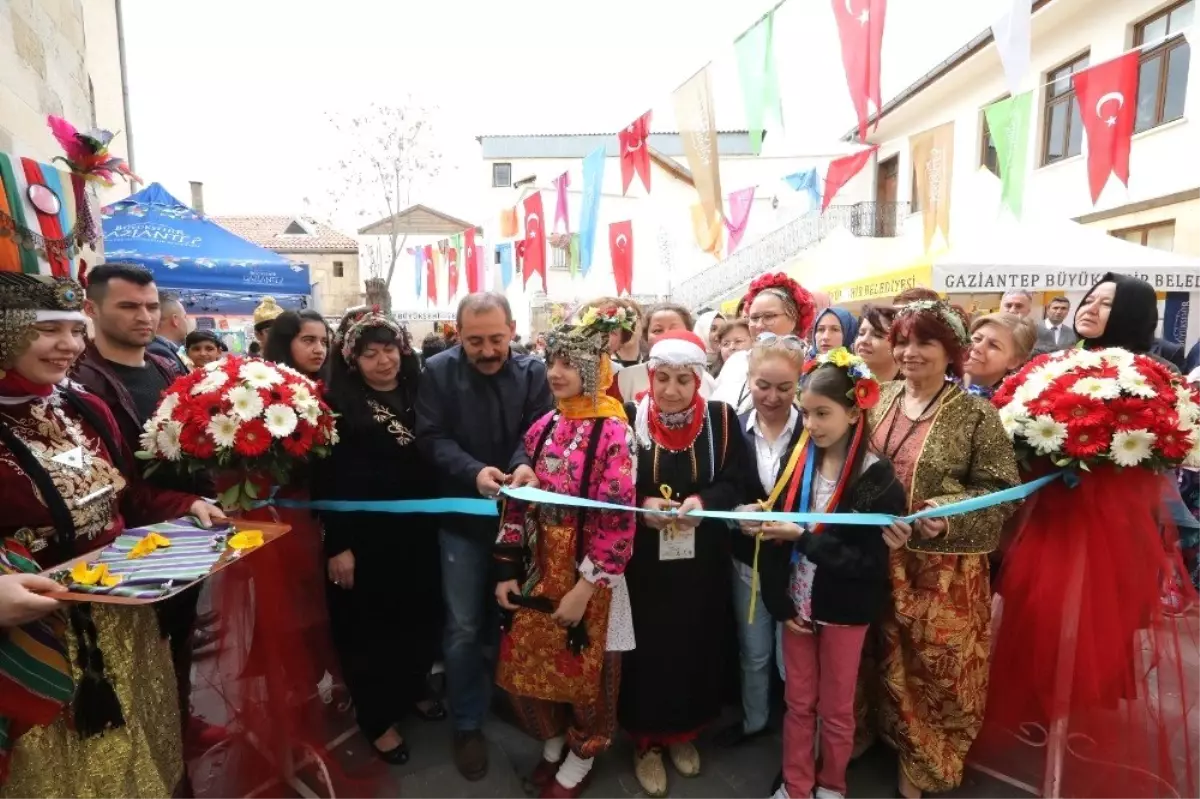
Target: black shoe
{"type": "Point", "coordinates": [736, 735]}
{"type": "Point", "coordinates": [396, 756]}
{"type": "Point", "coordinates": [435, 711]}
{"type": "Point", "coordinates": [471, 754]}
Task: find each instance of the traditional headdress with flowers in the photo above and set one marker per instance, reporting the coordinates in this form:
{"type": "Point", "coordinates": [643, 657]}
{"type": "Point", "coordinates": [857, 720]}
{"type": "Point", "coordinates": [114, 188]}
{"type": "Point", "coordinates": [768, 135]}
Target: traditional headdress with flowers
{"type": "Point", "coordinates": [943, 312]}
{"type": "Point", "coordinates": [792, 293]}
{"type": "Point", "coordinates": [584, 346]}
{"type": "Point", "coordinates": [358, 320]}
{"type": "Point", "coordinates": [866, 388]}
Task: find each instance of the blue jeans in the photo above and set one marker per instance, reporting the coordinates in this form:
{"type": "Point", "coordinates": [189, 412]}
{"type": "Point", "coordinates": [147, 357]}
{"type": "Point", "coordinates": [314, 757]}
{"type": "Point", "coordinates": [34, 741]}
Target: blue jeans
{"type": "Point", "coordinates": [756, 642]}
{"type": "Point", "coordinates": [467, 591]}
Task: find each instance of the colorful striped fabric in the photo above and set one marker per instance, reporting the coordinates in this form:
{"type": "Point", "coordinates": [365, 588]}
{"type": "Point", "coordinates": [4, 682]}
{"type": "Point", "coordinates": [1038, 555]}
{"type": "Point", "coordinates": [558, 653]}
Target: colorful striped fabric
{"type": "Point", "coordinates": [58, 229]}
{"type": "Point", "coordinates": [12, 181]}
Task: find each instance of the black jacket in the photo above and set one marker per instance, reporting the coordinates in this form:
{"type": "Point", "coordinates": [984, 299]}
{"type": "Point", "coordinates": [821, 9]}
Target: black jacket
{"type": "Point", "coordinates": [851, 581]}
{"type": "Point", "coordinates": [467, 420]}
{"type": "Point", "coordinates": [743, 545]}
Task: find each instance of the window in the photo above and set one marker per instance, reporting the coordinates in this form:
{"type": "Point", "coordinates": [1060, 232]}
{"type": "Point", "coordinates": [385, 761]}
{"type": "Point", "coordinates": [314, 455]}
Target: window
{"type": "Point", "coordinates": [559, 258]}
{"type": "Point", "coordinates": [1163, 74]}
{"type": "Point", "coordinates": [295, 229]}
{"type": "Point", "coordinates": [501, 176]}
{"type": "Point", "coordinates": [1159, 236]}
{"type": "Point", "coordinates": [987, 151]}
{"type": "Point", "coordinates": [1063, 134]}
{"type": "Point", "coordinates": [339, 269]}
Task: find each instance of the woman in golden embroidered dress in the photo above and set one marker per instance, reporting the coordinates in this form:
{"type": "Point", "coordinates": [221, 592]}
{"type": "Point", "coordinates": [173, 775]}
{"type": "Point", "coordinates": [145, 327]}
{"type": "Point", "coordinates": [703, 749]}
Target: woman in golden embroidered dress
{"type": "Point", "coordinates": [946, 446]}
{"type": "Point", "coordinates": [573, 561]}
{"type": "Point", "coordinates": [67, 487]}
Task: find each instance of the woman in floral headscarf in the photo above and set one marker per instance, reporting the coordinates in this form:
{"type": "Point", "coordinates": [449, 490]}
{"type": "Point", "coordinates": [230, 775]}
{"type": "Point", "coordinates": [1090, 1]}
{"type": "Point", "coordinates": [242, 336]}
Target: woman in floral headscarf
{"type": "Point", "coordinates": [384, 590]}
{"type": "Point", "coordinates": [561, 571]}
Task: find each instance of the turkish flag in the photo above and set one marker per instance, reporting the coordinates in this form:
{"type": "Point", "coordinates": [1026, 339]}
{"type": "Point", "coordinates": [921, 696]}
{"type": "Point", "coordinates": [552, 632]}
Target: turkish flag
{"type": "Point", "coordinates": [472, 260]}
{"type": "Point", "coordinates": [860, 26]}
{"type": "Point", "coordinates": [452, 260]}
{"type": "Point", "coordinates": [535, 238]}
{"type": "Point", "coordinates": [620, 246]}
{"type": "Point", "coordinates": [841, 170]}
{"type": "Point", "coordinates": [635, 152]}
{"type": "Point", "coordinates": [1107, 95]}
{"type": "Point", "coordinates": [430, 275]}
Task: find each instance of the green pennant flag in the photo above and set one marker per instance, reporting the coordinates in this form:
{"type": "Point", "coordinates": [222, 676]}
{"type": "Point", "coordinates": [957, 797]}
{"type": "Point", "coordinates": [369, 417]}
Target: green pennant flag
{"type": "Point", "coordinates": [760, 83]}
{"type": "Point", "coordinates": [457, 242]}
{"type": "Point", "coordinates": [573, 255]}
{"type": "Point", "coordinates": [1008, 122]}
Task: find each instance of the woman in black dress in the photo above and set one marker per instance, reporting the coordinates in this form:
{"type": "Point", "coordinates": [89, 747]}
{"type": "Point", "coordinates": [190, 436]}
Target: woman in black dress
{"type": "Point", "coordinates": [384, 582]}
{"type": "Point", "coordinates": [690, 455]}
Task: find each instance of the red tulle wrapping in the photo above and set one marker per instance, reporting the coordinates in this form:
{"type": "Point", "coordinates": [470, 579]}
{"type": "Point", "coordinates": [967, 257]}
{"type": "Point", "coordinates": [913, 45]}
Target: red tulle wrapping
{"type": "Point", "coordinates": [1088, 669]}
{"type": "Point", "coordinates": [273, 650]}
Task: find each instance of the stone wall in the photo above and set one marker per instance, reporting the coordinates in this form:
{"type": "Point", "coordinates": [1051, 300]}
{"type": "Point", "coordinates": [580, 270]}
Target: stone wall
{"type": "Point", "coordinates": [42, 71]}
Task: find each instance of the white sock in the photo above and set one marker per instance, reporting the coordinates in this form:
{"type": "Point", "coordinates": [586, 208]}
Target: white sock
{"type": "Point", "coordinates": [574, 769]}
{"type": "Point", "coordinates": [552, 748]}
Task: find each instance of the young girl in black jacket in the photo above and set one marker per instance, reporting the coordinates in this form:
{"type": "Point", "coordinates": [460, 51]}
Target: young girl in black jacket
{"type": "Point", "coordinates": [835, 582]}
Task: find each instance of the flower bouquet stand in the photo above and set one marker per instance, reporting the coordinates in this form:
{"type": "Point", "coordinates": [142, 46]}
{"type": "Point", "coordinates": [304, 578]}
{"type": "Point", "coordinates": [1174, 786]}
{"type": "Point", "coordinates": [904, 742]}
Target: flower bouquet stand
{"type": "Point", "coordinates": [1094, 678]}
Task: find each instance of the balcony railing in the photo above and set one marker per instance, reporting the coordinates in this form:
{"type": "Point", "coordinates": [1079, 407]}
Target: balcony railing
{"type": "Point", "coordinates": [878, 220]}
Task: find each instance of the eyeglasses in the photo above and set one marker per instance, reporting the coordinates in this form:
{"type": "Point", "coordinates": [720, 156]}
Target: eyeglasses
{"type": "Point", "coordinates": [790, 341]}
{"type": "Point", "coordinates": [764, 318]}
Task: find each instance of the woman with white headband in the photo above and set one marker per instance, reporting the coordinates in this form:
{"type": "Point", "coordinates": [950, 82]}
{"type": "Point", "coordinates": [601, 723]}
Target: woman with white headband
{"type": "Point", "coordinates": [690, 456]}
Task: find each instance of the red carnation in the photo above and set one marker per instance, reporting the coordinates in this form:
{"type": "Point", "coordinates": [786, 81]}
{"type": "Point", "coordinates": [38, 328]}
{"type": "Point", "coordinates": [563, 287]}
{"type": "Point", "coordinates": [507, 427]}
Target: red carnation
{"type": "Point", "coordinates": [1131, 414]}
{"type": "Point", "coordinates": [1087, 441]}
{"type": "Point", "coordinates": [300, 442]}
{"type": "Point", "coordinates": [195, 442]}
{"type": "Point", "coordinates": [1173, 445]}
{"type": "Point", "coordinates": [1076, 409]}
{"type": "Point", "coordinates": [805, 309]}
{"type": "Point", "coordinates": [568, 664]}
{"type": "Point", "coordinates": [253, 439]}
{"type": "Point", "coordinates": [281, 393]}
{"type": "Point", "coordinates": [199, 410]}
{"type": "Point", "coordinates": [866, 394]}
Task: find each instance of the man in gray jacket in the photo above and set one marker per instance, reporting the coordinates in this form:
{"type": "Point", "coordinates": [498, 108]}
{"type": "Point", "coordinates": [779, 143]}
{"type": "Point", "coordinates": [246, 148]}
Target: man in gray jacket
{"type": "Point", "coordinates": [475, 404]}
{"type": "Point", "coordinates": [1054, 333]}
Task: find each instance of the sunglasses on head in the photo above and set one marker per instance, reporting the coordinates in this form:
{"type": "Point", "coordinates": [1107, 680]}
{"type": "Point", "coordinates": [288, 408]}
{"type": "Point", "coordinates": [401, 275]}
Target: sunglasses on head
{"type": "Point", "coordinates": [790, 341]}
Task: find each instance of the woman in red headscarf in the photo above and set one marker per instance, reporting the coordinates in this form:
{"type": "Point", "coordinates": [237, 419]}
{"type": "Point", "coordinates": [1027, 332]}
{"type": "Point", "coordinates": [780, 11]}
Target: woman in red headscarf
{"type": "Point", "coordinates": [690, 456]}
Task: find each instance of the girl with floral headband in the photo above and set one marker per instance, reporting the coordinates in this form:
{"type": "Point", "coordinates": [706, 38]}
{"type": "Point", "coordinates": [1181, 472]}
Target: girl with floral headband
{"type": "Point", "coordinates": [561, 572]}
{"type": "Point", "coordinates": [827, 582]}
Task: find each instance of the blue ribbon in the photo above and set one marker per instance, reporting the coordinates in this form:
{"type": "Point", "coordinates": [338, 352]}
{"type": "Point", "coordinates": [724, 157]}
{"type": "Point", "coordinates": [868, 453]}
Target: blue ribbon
{"type": "Point", "coordinates": [487, 507]}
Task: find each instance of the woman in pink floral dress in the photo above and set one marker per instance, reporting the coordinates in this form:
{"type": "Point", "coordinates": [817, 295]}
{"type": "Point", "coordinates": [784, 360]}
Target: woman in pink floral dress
{"type": "Point", "coordinates": [561, 570]}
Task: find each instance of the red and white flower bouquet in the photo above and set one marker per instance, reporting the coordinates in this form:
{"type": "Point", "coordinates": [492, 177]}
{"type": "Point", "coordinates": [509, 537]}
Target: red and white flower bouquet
{"type": "Point", "coordinates": [1081, 408]}
{"type": "Point", "coordinates": [245, 420]}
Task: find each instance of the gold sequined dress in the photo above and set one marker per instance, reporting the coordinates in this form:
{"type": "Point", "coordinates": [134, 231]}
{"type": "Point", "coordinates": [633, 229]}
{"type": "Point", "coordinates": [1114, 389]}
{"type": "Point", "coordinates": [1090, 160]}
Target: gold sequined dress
{"type": "Point", "coordinates": [934, 640]}
{"type": "Point", "coordinates": [143, 758]}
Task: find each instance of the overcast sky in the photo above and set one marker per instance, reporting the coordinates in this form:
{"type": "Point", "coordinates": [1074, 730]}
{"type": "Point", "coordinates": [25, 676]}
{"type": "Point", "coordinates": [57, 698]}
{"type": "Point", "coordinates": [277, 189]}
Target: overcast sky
{"type": "Point", "coordinates": [236, 92]}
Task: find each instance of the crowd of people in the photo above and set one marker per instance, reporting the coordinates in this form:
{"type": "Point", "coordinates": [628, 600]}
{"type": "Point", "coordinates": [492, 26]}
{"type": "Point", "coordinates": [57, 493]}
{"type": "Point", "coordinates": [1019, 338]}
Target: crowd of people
{"type": "Point", "coordinates": [593, 622]}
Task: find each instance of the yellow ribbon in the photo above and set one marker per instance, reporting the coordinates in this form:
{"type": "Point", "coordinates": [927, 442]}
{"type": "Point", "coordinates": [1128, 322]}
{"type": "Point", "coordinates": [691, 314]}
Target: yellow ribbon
{"type": "Point", "coordinates": [768, 504]}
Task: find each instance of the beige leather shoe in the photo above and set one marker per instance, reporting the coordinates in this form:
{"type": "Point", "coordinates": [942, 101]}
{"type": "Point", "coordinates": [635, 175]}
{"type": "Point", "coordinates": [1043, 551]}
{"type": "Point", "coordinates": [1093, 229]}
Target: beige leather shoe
{"type": "Point", "coordinates": [650, 771]}
{"type": "Point", "coordinates": [685, 758]}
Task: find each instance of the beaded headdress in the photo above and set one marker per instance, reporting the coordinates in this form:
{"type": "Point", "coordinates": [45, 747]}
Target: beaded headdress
{"type": "Point", "coordinates": [28, 299]}
{"type": "Point", "coordinates": [585, 343]}
{"type": "Point", "coordinates": [942, 310]}
{"type": "Point", "coordinates": [357, 321]}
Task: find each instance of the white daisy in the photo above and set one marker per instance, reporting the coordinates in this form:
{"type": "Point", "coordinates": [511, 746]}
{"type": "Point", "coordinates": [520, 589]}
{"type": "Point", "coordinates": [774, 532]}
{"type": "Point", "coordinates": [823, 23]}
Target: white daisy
{"type": "Point", "coordinates": [168, 440]}
{"type": "Point", "coordinates": [213, 382]}
{"type": "Point", "coordinates": [1098, 388]}
{"type": "Point", "coordinates": [1185, 406]}
{"type": "Point", "coordinates": [223, 430]}
{"type": "Point", "coordinates": [1134, 383]}
{"type": "Point", "coordinates": [1117, 357]}
{"type": "Point", "coordinates": [1089, 359]}
{"type": "Point", "coordinates": [1045, 434]}
{"type": "Point", "coordinates": [166, 407]}
{"type": "Point", "coordinates": [281, 420]}
{"type": "Point", "coordinates": [1192, 461]}
{"type": "Point", "coordinates": [148, 440]}
{"type": "Point", "coordinates": [1012, 416]}
{"type": "Point", "coordinates": [311, 412]}
{"type": "Point", "coordinates": [301, 396]}
{"type": "Point", "coordinates": [246, 402]}
{"type": "Point", "coordinates": [1130, 447]}
{"type": "Point", "coordinates": [214, 365]}
{"type": "Point", "coordinates": [259, 375]}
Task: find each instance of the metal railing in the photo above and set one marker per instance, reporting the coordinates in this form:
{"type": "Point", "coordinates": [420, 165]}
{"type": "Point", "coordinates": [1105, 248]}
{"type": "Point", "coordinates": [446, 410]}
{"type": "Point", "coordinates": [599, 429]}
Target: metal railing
{"type": "Point", "coordinates": [878, 220]}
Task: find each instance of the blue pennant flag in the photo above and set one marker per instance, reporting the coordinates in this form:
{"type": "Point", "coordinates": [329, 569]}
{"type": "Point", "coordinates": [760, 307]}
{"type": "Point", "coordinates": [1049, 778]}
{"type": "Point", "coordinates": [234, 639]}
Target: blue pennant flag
{"type": "Point", "coordinates": [593, 181]}
{"type": "Point", "coordinates": [809, 182]}
{"type": "Point", "coordinates": [506, 263]}
{"type": "Point", "coordinates": [418, 267]}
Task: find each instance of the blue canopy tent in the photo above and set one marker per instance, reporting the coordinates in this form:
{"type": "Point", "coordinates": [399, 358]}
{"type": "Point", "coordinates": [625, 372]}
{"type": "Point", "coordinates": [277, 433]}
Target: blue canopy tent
{"type": "Point", "coordinates": [213, 270]}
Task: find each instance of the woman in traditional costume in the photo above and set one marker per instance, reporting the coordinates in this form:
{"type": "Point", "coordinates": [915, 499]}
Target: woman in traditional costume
{"type": "Point", "coordinates": [774, 304]}
{"type": "Point", "coordinates": [691, 456]}
{"type": "Point", "coordinates": [68, 486]}
{"type": "Point", "coordinates": [946, 446]}
{"type": "Point", "coordinates": [561, 662]}
{"type": "Point", "coordinates": [374, 388]}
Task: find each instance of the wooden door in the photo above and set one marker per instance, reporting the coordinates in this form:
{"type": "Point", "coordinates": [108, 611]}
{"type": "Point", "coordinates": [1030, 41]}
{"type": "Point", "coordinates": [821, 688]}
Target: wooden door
{"type": "Point", "coordinates": [887, 179]}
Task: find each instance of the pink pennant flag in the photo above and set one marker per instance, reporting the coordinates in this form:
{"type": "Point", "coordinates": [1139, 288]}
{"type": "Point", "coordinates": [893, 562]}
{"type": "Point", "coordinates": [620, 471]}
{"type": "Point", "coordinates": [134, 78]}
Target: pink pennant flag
{"type": "Point", "coordinates": [739, 215]}
{"type": "Point", "coordinates": [560, 208]}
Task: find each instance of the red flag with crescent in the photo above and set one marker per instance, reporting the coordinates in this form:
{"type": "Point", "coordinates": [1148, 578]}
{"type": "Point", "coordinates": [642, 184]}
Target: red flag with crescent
{"type": "Point", "coordinates": [841, 170]}
{"type": "Point", "coordinates": [535, 238]}
{"type": "Point", "coordinates": [472, 260]}
{"type": "Point", "coordinates": [430, 275]}
{"type": "Point", "coordinates": [1107, 95]}
{"type": "Point", "coordinates": [860, 27]}
{"type": "Point", "coordinates": [452, 260]}
{"type": "Point", "coordinates": [620, 246]}
{"type": "Point", "coordinates": [635, 152]}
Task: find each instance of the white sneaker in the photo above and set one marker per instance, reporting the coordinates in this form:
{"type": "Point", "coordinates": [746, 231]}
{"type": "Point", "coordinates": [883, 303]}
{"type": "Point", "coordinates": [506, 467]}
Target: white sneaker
{"type": "Point", "coordinates": [780, 793]}
{"type": "Point", "coordinates": [825, 793]}
{"type": "Point", "coordinates": [685, 758]}
{"type": "Point", "coordinates": [650, 772]}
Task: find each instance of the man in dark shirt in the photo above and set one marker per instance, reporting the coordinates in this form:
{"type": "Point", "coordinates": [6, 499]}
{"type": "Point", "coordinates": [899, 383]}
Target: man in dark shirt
{"type": "Point", "coordinates": [475, 403]}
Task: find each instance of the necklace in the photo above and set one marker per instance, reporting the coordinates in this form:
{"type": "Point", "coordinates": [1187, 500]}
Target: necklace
{"type": "Point", "coordinates": [887, 441]}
